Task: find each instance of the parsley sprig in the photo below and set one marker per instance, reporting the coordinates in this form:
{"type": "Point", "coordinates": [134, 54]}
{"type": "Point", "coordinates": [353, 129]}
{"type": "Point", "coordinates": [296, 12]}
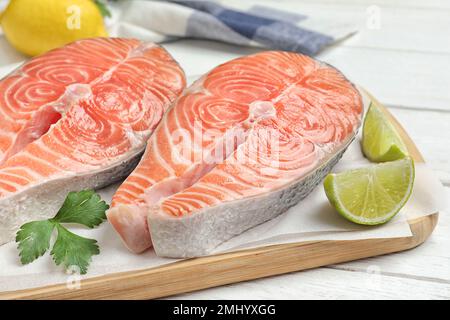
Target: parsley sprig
{"type": "Point", "coordinates": [85, 208]}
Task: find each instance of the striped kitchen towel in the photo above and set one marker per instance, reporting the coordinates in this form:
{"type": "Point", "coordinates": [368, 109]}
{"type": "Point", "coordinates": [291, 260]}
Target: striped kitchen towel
{"type": "Point", "coordinates": [236, 23]}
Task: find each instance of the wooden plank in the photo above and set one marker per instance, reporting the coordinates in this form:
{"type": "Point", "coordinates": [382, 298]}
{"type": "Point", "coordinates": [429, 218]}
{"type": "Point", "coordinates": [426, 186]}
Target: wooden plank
{"type": "Point", "coordinates": [407, 52]}
{"type": "Point", "coordinates": [429, 262]}
{"type": "Point", "coordinates": [326, 284]}
{"type": "Point", "coordinates": [410, 28]}
{"type": "Point", "coordinates": [195, 274]}
{"type": "Point", "coordinates": [397, 78]}
{"type": "Point", "coordinates": [420, 4]}
{"type": "Point", "coordinates": [430, 132]}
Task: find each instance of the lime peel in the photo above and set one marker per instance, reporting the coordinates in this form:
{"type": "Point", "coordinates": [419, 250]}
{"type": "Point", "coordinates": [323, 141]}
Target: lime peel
{"type": "Point", "coordinates": [381, 142]}
{"type": "Point", "coordinates": [372, 195]}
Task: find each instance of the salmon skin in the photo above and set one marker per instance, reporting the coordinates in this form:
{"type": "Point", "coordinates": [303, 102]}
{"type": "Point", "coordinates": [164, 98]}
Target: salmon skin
{"type": "Point", "coordinates": [244, 143]}
{"type": "Point", "coordinates": [78, 117]}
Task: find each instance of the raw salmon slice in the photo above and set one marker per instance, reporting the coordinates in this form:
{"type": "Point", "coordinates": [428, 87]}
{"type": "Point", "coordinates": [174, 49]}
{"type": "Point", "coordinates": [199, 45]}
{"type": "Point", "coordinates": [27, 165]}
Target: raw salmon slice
{"type": "Point", "coordinates": [78, 117]}
{"type": "Point", "coordinates": [244, 143]}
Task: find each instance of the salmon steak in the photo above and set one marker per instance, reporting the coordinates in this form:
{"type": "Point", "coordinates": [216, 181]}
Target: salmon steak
{"type": "Point", "coordinates": [75, 118]}
{"type": "Point", "coordinates": [244, 143]}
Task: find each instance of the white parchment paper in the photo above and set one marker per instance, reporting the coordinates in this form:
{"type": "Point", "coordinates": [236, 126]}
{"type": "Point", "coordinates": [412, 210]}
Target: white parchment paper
{"type": "Point", "coordinates": [311, 219]}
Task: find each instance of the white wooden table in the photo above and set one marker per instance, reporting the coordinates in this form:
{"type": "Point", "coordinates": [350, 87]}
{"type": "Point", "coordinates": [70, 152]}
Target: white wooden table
{"type": "Point", "coordinates": [406, 65]}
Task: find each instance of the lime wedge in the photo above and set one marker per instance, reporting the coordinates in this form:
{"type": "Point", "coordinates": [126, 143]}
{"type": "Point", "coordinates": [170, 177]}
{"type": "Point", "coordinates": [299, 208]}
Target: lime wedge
{"type": "Point", "coordinates": [371, 195]}
{"type": "Point", "coordinates": [381, 142]}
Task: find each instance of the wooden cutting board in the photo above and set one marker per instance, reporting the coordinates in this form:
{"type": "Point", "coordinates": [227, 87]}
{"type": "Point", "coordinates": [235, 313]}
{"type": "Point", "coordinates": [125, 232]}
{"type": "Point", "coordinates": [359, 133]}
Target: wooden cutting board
{"type": "Point", "coordinates": [212, 271]}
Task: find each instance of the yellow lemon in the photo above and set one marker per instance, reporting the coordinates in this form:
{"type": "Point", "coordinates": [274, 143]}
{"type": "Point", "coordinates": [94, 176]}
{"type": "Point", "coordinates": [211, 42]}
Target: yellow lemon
{"type": "Point", "coordinates": [34, 27]}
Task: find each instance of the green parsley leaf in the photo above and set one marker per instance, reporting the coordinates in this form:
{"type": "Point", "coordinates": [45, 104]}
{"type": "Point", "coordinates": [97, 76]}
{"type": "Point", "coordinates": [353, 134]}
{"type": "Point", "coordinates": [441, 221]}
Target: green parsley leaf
{"type": "Point", "coordinates": [72, 250]}
{"type": "Point", "coordinates": [103, 8]}
{"type": "Point", "coordinates": [84, 207]}
{"type": "Point", "coordinates": [33, 240]}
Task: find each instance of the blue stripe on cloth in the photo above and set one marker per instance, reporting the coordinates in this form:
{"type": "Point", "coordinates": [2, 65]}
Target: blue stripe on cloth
{"type": "Point", "coordinates": [243, 23]}
{"type": "Point", "coordinates": [270, 28]}
{"type": "Point", "coordinates": [288, 37]}
{"type": "Point", "coordinates": [205, 26]}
